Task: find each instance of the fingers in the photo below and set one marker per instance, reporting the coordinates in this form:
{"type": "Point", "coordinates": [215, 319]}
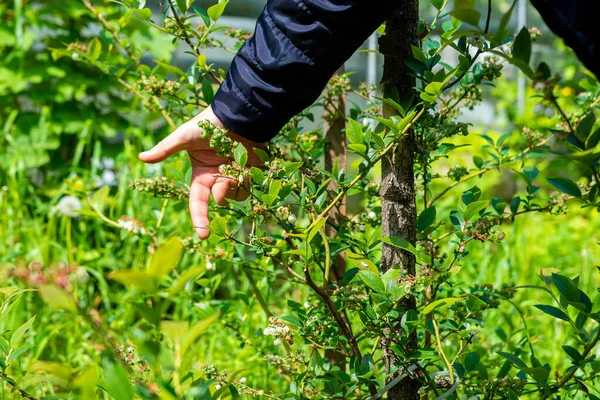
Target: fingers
{"type": "Point", "coordinates": [199, 198]}
{"type": "Point", "coordinates": [222, 190]}
{"type": "Point", "coordinates": [170, 145]}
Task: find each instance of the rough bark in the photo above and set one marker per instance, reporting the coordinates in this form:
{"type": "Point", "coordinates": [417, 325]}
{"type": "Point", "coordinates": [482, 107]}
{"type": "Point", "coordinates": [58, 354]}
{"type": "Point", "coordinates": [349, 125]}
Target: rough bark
{"type": "Point", "coordinates": [398, 181]}
{"type": "Point", "coordinates": [335, 138]}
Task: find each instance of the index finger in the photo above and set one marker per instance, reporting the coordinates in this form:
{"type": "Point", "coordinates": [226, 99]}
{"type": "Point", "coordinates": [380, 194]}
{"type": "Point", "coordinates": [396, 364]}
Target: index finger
{"type": "Point", "coordinates": [200, 187]}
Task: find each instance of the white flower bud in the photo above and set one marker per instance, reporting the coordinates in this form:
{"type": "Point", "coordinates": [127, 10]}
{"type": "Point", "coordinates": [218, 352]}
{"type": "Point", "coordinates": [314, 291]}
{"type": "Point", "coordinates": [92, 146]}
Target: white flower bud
{"type": "Point", "coordinates": [210, 266]}
{"type": "Point", "coordinates": [68, 206]}
{"type": "Point", "coordinates": [277, 342]}
{"type": "Point", "coordinates": [361, 228]}
{"type": "Point", "coordinates": [243, 380]}
{"type": "Point", "coordinates": [75, 56]}
{"type": "Point", "coordinates": [372, 215]}
{"type": "Point", "coordinates": [217, 386]}
{"type": "Point", "coordinates": [291, 218]}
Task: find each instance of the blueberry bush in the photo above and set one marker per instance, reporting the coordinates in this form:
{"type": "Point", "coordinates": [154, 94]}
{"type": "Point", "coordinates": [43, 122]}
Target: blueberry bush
{"type": "Point", "coordinates": [106, 292]}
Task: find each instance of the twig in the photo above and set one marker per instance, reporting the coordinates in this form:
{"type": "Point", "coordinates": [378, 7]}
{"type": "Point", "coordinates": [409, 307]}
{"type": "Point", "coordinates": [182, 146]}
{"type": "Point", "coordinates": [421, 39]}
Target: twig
{"type": "Point", "coordinates": [586, 351]}
{"type": "Point", "coordinates": [262, 302]}
{"type": "Point", "coordinates": [130, 54]}
{"type": "Point", "coordinates": [187, 39]}
{"type": "Point", "coordinates": [16, 387]}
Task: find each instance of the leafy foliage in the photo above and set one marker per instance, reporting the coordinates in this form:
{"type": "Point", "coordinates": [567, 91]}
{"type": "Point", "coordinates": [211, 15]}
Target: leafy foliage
{"type": "Point", "coordinates": [107, 295]}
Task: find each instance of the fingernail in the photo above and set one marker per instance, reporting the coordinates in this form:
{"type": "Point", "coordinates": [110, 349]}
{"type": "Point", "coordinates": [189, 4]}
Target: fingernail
{"type": "Point", "coordinates": [201, 227]}
{"type": "Point", "coordinates": [144, 153]}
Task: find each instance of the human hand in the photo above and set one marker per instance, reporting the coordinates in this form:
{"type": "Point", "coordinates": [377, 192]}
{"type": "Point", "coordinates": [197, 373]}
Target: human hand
{"type": "Point", "coordinates": [205, 167]}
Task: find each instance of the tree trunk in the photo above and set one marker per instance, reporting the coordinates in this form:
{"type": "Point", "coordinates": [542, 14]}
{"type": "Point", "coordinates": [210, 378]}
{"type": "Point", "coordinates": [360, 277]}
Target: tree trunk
{"type": "Point", "coordinates": [398, 182]}
{"type": "Point", "coordinates": [335, 138]}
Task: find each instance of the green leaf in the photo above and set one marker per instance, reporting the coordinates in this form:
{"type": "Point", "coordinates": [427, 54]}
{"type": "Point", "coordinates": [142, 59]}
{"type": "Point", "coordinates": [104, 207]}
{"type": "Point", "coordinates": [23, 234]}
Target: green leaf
{"type": "Point", "coordinates": [498, 205]}
{"type": "Point", "coordinates": [257, 175]}
{"type": "Point", "coordinates": [203, 14]}
{"type": "Point", "coordinates": [361, 262]}
{"type": "Point", "coordinates": [20, 331]}
{"type": "Point", "coordinates": [478, 161]}
{"type": "Point", "coordinates": [166, 258]}
{"type": "Point", "coordinates": [354, 132]}
{"type": "Point", "coordinates": [502, 33]}
{"type": "Point", "coordinates": [115, 382]}
{"type": "Point", "coordinates": [218, 226]}
{"type": "Point", "coordinates": [426, 219]}
{"type": "Point", "coordinates": [566, 287]}
{"type": "Point", "coordinates": [240, 154]}
{"type": "Point", "coordinates": [17, 353]}
{"type": "Point", "coordinates": [402, 243]}
{"type": "Point", "coordinates": [144, 13]}
{"type": "Point", "coordinates": [194, 334]}
{"type": "Point", "coordinates": [566, 185]}
{"type": "Point", "coordinates": [393, 104]}
{"type": "Point", "coordinates": [56, 298]}
{"type": "Point", "coordinates": [474, 208]}
{"type": "Point", "coordinates": [513, 359]}
{"type": "Point", "coordinates": [182, 5]}
{"type": "Point", "coordinates": [314, 228]}
{"type": "Point", "coordinates": [372, 280]}
{"type": "Point", "coordinates": [471, 195]}
{"type": "Point", "coordinates": [593, 139]}
{"type": "Point", "coordinates": [472, 361]}
{"type": "Point", "coordinates": [584, 128]}
{"type": "Point", "coordinates": [208, 92]}
{"type": "Point", "coordinates": [358, 148]}
{"type": "Point", "coordinates": [140, 280]}
{"type": "Point", "coordinates": [95, 49]}
{"type": "Point", "coordinates": [438, 4]}
{"type": "Point", "coordinates": [410, 320]}
{"type": "Point", "coordinates": [573, 353]}
{"type": "Point", "coordinates": [468, 15]}
{"type": "Point", "coordinates": [522, 46]}
{"type": "Point", "coordinates": [418, 54]}
{"type": "Point", "coordinates": [441, 302]}
{"type": "Point", "coordinates": [553, 311]}
{"type": "Point", "coordinates": [215, 11]}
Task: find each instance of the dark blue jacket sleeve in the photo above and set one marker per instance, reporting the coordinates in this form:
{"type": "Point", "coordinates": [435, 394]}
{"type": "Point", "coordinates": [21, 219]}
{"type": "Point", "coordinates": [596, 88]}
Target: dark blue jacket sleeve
{"type": "Point", "coordinates": [575, 21]}
{"type": "Point", "coordinates": [296, 47]}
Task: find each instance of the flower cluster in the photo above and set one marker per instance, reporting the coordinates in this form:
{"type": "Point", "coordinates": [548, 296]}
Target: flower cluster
{"type": "Point", "coordinates": [218, 139]}
{"type": "Point", "coordinates": [62, 275]}
{"type": "Point", "coordinates": [279, 330]}
{"type": "Point", "coordinates": [353, 297]}
{"type": "Point", "coordinates": [155, 86]}
{"type": "Point", "coordinates": [132, 225]}
{"type": "Point", "coordinates": [457, 172]}
{"type": "Point", "coordinates": [128, 356]}
{"type": "Point", "coordinates": [482, 230]}
{"type": "Point", "coordinates": [238, 34]}
{"type": "Point", "coordinates": [160, 187]}
{"type": "Point", "coordinates": [557, 203]}
{"type": "Point", "coordinates": [492, 68]}
{"type": "Point", "coordinates": [68, 206]}
{"type": "Point", "coordinates": [286, 364]}
{"type": "Point", "coordinates": [534, 33]}
{"type": "Point", "coordinates": [533, 137]}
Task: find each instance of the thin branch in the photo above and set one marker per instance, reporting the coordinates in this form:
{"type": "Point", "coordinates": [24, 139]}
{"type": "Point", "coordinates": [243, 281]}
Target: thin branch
{"type": "Point", "coordinates": [16, 387]}
{"type": "Point", "coordinates": [187, 39]}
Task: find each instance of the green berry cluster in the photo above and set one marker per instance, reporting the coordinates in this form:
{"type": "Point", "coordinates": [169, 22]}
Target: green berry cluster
{"type": "Point", "coordinates": [160, 187]}
{"type": "Point", "coordinates": [217, 138]}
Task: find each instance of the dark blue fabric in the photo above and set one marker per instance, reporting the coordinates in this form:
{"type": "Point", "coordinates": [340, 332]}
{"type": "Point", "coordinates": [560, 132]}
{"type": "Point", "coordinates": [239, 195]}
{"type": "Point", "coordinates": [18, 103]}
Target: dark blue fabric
{"type": "Point", "coordinates": [298, 44]}
{"type": "Point", "coordinates": [296, 47]}
{"type": "Point", "coordinates": [575, 21]}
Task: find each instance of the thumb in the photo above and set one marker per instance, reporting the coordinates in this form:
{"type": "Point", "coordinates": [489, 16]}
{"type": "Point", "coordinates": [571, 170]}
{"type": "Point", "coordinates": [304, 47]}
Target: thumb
{"type": "Point", "coordinates": [170, 145]}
